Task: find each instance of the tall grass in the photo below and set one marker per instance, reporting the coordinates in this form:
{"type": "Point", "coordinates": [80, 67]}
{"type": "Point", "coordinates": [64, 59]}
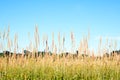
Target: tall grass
{"type": "Point", "coordinates": [59, 68]}
{"type": "Point", "coordinates": [67, 69]}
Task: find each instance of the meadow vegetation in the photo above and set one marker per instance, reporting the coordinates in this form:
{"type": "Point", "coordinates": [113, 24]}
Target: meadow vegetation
{"type": "Point", "coordinates": [57, 67]}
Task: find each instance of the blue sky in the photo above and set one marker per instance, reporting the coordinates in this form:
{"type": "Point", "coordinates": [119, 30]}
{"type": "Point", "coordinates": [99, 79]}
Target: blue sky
{"type": "Point", "coordinates": [101, 17]}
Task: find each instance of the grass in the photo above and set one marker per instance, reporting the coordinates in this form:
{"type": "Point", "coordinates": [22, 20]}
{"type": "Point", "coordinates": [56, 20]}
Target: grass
{"type": "Point", "coordinates": [59, 68]}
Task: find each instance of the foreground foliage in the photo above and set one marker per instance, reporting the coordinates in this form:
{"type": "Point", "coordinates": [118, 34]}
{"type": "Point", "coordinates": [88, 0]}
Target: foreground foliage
{"type": "Point", "coordinates": [54, 68]}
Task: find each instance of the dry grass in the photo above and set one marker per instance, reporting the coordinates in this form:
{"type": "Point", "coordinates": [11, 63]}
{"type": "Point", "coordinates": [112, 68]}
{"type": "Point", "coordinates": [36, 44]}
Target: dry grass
{"type": "Point", "coordinates": [64, 68]}
{"type": "Point", "coordinates": [59, 68]}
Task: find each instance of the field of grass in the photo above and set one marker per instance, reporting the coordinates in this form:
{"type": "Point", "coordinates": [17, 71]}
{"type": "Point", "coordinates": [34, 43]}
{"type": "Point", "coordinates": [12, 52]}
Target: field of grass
{"type": "Point", "coordinates": [54, 68]}
{"type": "Point", "coordinates": [59, 68]}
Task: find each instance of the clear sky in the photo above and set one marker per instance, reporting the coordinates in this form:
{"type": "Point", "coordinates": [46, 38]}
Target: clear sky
{"type": "Point", "coordinates": [101, 17]}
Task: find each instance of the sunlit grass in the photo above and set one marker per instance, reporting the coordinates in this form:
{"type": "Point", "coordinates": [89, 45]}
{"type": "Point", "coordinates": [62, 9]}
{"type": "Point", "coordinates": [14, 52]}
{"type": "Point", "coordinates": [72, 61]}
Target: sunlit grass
{"type": "Point", "coordinates": [54, 67]}
{"type": "Point", "coordinates": [67, 69]}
